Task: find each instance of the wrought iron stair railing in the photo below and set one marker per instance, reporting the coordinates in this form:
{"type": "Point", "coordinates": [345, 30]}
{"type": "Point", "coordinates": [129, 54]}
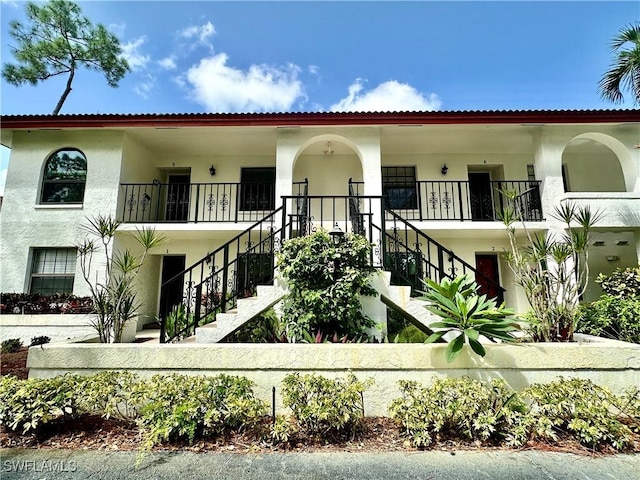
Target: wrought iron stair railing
{"type": "Point", "coordinates": [411, 255]}
{"type": "Point", "coordinates": [215, 283]}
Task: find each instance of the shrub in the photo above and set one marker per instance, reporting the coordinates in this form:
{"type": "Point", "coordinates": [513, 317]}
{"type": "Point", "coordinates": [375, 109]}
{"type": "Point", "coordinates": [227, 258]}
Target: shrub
{"type": "Point", "coordinates": [460, 407]}
{"type": "Point", "coordinates": [266, 328]}
{"type": "Point", "coordinates": [27, 404]}
{"type": "Point", "coordinates": [11, 345]}
{"type": "Point", "coordinates": [325, 407]}
{"type": "Point", "coordinates": [470, 315]}
{"type": "Point", "coordinates": [411, 334]}
{"type": "Point", "coordinates": [322, 297]}
{"type": "Point", "coordinates": [622, 283]}
{"type": "Point", "coordinates": [40, 340]}
{"type": "Point", "coordinates": [610, 316]}
{"type": "Point", "coordinates": [580, 408]}
{"type": "Point", "coordinates": [35, 303]}
{"type": "Point", "coordinates": [113, 394]}
{"type": "Point", "coordinates": [180, 407]}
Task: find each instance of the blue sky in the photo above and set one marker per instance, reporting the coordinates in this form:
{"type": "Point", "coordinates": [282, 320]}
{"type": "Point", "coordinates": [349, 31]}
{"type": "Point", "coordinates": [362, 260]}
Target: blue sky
{"type": "Point", "coordinates": [208, 56]}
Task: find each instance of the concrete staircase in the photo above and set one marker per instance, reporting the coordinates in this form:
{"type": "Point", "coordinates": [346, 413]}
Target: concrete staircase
{"type": "Point", "coordinates": [247, 309]}
{"type": "Point", "coordinates": [398, 298]}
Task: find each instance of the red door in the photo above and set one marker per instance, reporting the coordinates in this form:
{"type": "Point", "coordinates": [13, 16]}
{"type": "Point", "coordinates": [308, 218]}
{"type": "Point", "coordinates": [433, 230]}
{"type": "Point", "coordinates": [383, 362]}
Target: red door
{"type": "Point", "coordinates": [487, 276]}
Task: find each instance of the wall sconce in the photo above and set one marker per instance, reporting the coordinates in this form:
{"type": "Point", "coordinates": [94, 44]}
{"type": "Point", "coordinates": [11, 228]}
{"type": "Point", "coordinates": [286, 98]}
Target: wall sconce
{"type": "Point", "coordinates": [612, 258]}
{"type": "Point", "coordinates": [444, 169]}
{"type": "Point", "coordinates": [212, 170]}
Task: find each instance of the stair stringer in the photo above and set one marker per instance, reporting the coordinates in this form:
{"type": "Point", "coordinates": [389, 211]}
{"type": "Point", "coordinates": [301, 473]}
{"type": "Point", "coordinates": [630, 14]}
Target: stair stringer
{"type": "Point", "coordinates": [248, 308]}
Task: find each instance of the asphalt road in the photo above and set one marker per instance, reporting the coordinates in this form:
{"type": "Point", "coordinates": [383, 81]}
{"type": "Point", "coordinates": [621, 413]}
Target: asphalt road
{"type": "Point", "coordinates": [89, 464]}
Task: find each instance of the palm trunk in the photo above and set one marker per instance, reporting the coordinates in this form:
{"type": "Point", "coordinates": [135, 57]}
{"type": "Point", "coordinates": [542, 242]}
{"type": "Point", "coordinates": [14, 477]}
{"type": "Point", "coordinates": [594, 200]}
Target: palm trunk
{"type": "Point", "coordinates": [65, 94]}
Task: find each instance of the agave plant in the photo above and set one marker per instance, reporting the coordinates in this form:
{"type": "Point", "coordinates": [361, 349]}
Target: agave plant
{"type": "Point", "coordinates": [464, 311]}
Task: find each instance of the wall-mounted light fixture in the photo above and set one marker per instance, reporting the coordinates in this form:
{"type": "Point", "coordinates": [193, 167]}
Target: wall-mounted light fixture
{"type": "Point", "coordinates": [612, 258]}
{"type": "Point", "coordinates": [212, 170]}
{"type": "Point", "coordinates": [329, 150]}
{"type": "Point", "coordinates": [444, 169]}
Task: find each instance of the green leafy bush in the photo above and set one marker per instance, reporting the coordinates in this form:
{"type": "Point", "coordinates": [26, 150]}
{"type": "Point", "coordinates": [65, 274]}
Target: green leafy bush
{"type": "Point", "coordinates": [580, 408]}
{"type": "Point", "coordinates": [460, 407]}
{"type": "Point", "coordinates": [11, 345]}
{"type": "Point", "coordinates": [325, 407]}
{"type": "Point", "coordinates": [265, 328]}
{"type": "Point", "coordinates": [180, 407]}
{"type": "Point", "coordinates": [411, 334]}
{"type": "Point", "coordinates": [611, 316]}
{"type": "Point", "coordinates": [113, 394]}
{"type": "Point", "coordinates": [27, 404]}
{"type": "Point", "coordinates": [622, 283]}
{"type": "Point", "coordinates": [40, 340]}
{"type": "Point", "coordinates": [325, 282]}
{"type": "Point", "coordinates": [464, 311]}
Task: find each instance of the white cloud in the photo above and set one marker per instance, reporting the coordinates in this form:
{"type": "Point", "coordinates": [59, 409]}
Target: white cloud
{"type": "Point", "coordinates": [168, 63]}
{"type": "Point", "coordinates": [313, 69]}
{"type": "Point", "coordinates": [144, 88]}
{"type": "Point", "coordinates": [133, 55]}
{"type": "Point", "coordinates": [11, 3]}
{"type": "Point", "coordinates": [391, 96]}
{"type": "Point", "coordinates": [117, 28]}
{"type": "Point", "coordinates": [221, 88]}
{"type": "Point", "coordinates": [200, 33]}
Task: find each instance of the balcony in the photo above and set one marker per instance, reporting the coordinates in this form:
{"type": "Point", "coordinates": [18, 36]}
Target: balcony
{"type": "Point", "coordinates": [197, 202]}
{"type": "Point", "coordinates": [460, 200]}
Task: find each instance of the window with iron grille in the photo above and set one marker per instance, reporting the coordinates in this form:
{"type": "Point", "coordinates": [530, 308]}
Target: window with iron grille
{"type": "Point", "coordinates": [64, 178]}
{"type": "Point", "coordinates": [258, 188]}
{"type": "Point", "coordinates": [400, 187]}
{"type": "Point", "coordinates": [53, 270]}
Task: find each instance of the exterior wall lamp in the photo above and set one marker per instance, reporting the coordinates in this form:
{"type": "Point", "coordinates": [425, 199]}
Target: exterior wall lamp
{"type": "Point", "coordinates": [212, 170]}
{"type": "Point", "coordinates": [444, 169]}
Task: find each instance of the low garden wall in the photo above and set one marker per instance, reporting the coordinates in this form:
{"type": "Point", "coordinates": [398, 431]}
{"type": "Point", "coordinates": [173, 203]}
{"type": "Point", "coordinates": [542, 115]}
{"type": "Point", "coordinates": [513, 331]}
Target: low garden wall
{"type": "Point", "coordinates": [606, 362]}
{"type": "Point", "coordinates": [58, 327]}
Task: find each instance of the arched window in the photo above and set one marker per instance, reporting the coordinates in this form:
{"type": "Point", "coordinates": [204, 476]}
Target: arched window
{"type": "Point", "coordinates": [64, 177]}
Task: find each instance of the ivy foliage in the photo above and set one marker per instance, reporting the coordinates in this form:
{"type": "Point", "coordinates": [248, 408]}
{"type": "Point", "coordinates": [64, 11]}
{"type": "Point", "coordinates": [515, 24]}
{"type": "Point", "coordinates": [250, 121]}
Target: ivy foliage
{"type": "Point", "coordinates": [325, 282]}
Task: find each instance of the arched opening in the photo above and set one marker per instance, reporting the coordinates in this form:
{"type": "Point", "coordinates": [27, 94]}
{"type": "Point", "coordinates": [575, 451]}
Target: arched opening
{"type": "Point", "coordinates": [64, 177]}
{"type": "Point", "coordinates": [328, 162]}
{"type": "Point", "coordinates": [589, 165]}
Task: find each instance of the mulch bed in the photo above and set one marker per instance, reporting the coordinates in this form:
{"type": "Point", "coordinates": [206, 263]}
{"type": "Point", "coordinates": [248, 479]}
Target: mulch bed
{"type": "Point", "coordinates": [15, 363]}
{"type": "Point", "coordinates": [379, 434]}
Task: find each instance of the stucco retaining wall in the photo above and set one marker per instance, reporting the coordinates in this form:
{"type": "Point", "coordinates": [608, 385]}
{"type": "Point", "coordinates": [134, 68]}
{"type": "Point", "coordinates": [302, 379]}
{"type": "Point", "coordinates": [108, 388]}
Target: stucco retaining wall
{"type": "Point", "coordinates": [610, 363]}
{"type": "Point", "coordinates": [58, 327]}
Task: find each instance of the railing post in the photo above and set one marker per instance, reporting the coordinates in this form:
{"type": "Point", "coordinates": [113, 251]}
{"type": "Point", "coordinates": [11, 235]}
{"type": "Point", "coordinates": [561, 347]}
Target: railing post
{"type": "Point", "coordinates": [225, 277]}
{"type": "Point", "coordinates": [460, 200]}
{"type": "Point", "coordinates": [195, 220]}
{"type": "Point", "coordinates": [197, 314]}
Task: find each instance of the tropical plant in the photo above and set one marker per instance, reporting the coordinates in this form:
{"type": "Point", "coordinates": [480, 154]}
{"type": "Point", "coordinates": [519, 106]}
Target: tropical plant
{"type": "Point", "coordinates": [551, 269]}
{"type": "Point", "coordinates": [57, 40]}
{"type": "Point", "coordinates": [39, 340]}
{"type": "Point", "coordinates": [11, 345]}
{"type": "Point", "coordinates": [325, 282]}
{"type": "Point", "coordinates": [624, 73]}
{"type": "Point", "coordinates": [113, 293]}
{"type": "Point", "coordinates": [470, 315]}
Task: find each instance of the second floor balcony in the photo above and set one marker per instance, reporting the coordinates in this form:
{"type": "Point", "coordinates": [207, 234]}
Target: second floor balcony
{"type": "Point", "coordinates": [243, 202]}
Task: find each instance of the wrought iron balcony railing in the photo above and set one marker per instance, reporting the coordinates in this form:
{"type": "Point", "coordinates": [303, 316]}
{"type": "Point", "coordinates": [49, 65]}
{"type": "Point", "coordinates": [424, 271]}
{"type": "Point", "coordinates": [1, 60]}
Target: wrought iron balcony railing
{"type": "Point", "coordinates": [459, 199]}
{"type": "Point", "coordinates": [198, 202]}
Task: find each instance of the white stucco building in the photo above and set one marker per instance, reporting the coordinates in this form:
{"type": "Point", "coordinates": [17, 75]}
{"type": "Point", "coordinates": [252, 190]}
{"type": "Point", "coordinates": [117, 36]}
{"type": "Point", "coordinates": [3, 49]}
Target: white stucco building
{"type": "Point", "coordinates": [204, 179]}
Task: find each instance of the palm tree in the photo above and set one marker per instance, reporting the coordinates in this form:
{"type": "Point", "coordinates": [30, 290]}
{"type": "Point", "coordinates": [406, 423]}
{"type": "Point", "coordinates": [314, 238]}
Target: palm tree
{"type": "Point", "coordinates": [625, 71]}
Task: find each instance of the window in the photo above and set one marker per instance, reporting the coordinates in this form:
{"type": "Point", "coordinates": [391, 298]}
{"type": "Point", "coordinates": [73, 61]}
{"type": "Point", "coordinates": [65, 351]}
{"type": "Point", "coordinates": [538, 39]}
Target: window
{"type": "Point", "coordinates": [399, 186]}
{"type": "Point", "coordinates": [52, 270]}
{"type": "Point", "coordinates": [64, 177]}
{"type": "Point", "coordinates": [258, 189]}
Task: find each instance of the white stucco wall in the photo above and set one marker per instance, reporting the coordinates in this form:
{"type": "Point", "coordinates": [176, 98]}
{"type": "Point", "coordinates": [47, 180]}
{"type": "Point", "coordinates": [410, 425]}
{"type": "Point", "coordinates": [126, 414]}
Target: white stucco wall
{"type": "Point", "coordinates": [24, 224]}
